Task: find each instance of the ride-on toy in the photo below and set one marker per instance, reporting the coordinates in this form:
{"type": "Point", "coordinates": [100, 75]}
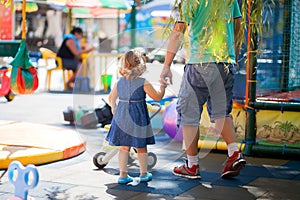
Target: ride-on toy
{"type": "Point", "coordinates": [5, 84]}
{"type": "Point", "coordinates": [102, 158]}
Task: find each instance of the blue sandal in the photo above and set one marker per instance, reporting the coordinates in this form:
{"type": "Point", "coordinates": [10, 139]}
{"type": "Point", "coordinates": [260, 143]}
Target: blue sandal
{"type": "Point", "coordinates": [125, 180]}
{"type": "Point", "coordinates": [146, 177]}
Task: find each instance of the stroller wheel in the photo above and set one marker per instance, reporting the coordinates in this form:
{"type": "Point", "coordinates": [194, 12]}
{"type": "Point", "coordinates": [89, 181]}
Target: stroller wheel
{"type": "Point", "coordinates": [97, 159]}
{"type": "Point", "coordinates": [10, 96]}
{"type": "Point", "coordinates": [152, 159]}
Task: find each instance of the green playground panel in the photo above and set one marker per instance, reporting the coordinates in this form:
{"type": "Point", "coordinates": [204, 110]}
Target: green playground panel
{"type": "Point", "coordinates": [9, 47]}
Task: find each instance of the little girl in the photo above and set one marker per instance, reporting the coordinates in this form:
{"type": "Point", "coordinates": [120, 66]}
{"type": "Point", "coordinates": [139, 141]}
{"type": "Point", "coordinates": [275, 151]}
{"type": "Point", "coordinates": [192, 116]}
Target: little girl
{"type": "Point", "coordinates": [130, 125]}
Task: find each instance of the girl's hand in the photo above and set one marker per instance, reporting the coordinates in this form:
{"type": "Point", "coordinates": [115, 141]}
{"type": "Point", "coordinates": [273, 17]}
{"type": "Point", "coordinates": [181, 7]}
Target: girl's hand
{"type": "Point", "coordinates": [164, 84]}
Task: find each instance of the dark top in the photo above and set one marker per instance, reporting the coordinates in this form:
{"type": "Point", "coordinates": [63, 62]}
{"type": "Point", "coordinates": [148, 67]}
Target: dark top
{"type": "Point", "coordinates": [64, 51]}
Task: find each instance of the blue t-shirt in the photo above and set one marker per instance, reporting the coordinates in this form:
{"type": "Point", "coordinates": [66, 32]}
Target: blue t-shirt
{"type": "Point", "coordinates": [211, 29]}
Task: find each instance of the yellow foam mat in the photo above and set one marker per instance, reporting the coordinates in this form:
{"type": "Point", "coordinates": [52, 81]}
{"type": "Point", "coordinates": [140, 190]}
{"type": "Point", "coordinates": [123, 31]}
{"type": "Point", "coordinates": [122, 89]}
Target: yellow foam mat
{"type": "Point", "coordinates": [36, 143]}
{"type": "Point", "coordinates": [27, 155]}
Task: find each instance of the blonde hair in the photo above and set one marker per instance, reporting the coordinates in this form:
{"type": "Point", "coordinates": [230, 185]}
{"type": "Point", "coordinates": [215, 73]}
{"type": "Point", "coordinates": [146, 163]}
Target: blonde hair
{"type": "Point", "coordinates": [132, 64]}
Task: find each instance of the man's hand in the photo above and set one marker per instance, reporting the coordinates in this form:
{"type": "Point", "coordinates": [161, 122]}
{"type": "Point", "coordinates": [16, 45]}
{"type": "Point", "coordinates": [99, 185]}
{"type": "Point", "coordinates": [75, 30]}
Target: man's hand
{"type": "Point", "coordinates": [113, 110]}
{"type": "Point", "coordinates": [166, 75]}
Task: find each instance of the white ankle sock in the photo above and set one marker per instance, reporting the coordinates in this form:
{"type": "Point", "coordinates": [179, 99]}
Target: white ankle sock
{"type": "Point", "coordinates": [232, 147]}
{"type": "Point", "coordinates": [192, 160]}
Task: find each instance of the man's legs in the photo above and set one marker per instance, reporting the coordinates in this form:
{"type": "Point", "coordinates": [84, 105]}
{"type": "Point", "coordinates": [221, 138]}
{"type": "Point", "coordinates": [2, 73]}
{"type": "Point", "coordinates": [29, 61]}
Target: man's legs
{"type": "Point", "coordinates": [235, 161]}
{"type": "Point", "coordinates": [190, 137]}
{"type": "Point", "coordinates": [226, 128]}
{"type": "Point", "coordinates": [220, 81]}
{"type": "Point", "coordinates": [192, 92]}
{"type": "Point", "coordinates": [191, 167]}
{"type": "Point", "coordinates": [220, 105]}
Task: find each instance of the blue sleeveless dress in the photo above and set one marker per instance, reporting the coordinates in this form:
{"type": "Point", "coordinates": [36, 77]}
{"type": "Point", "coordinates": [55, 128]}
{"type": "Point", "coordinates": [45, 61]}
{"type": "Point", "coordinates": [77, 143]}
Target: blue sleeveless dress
{"type": "Point", "coordinates": [131, 125]}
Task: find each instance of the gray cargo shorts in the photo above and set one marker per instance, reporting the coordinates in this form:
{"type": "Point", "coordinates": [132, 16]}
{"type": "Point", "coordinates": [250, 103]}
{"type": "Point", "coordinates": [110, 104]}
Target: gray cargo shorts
{"type": "Point", "coordinates": [209, 83]}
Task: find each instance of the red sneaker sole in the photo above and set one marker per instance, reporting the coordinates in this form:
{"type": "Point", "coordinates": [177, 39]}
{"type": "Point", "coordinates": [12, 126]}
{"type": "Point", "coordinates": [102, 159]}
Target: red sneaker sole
{"type": "Point", "coordinates": [187, 176]}
{"type": "Point", "coordinates": [236, 172]}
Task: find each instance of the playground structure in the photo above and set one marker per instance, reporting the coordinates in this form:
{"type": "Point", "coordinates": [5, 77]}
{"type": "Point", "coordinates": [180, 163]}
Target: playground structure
{"type": "Point", "coordinates": [271, 105]}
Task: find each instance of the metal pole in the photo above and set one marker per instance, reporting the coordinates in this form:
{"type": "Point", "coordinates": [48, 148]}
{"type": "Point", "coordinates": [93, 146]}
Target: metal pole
{"type": "Point", "coordinates": [133, 24]}
{"type": "Point", "coordinates": [24, 26]}
{"type": "Point", "coordinates": [70, 25]}
{"type": "Point", "coordinates": [252, 46]}
{"type": "Point", "coordinates": [279, 152]}
{"type": "Point", "coordinates": [273, 105]}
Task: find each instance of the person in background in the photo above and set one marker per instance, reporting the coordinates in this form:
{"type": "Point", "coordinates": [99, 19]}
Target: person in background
{"type": "Point", "coordinates": [214, 30]}
{"type": "Point", "coordinates": [131, 127]}
{"type": "Point", "coordinates": [71, 51]}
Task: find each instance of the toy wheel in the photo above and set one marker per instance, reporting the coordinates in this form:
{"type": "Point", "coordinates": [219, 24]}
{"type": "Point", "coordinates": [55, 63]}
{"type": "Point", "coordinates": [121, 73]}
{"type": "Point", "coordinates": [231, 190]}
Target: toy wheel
{"type": "Point", "coordinates": [97, 159]}
{"type": "Point", "coordinates": [152, 159]}
{"type": "Point", "coordinates": [10, 96]}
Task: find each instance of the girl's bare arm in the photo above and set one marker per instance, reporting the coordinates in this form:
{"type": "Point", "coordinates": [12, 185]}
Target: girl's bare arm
{"type": "Point", "coordinates": [112, 98]}
{"type": "Point", "coordinates": [154, 94]}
